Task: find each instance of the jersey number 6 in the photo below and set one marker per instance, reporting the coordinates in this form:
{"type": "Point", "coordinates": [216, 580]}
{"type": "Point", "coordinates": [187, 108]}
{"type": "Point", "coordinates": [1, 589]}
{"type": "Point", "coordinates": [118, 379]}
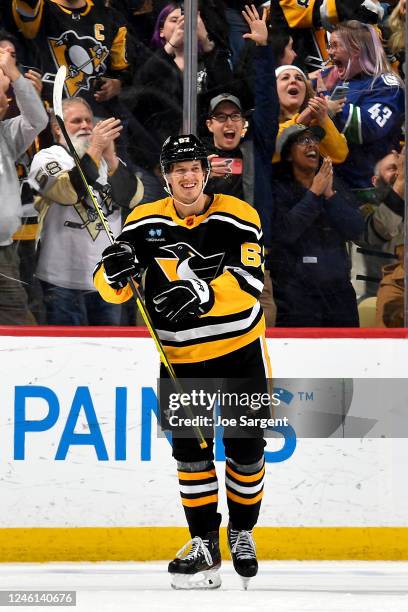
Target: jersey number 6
{"type": "Point", "coordinates": [251, 254]}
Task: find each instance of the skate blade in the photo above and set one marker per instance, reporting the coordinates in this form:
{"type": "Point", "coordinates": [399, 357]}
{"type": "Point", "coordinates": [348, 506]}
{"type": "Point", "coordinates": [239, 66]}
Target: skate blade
{"type": "Point", "coordinates": [245, 582]}
{"type": "Point", "coordinates": [207, 579]}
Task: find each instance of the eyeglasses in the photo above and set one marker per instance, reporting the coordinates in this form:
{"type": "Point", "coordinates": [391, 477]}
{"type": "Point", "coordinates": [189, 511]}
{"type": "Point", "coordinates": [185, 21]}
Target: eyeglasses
{"type": "Point", "coordinates": [222, 117]}
{"type": "Point", "coordinates": [333, 46]}
{"type": "Point", "coordinates": [307, 140]}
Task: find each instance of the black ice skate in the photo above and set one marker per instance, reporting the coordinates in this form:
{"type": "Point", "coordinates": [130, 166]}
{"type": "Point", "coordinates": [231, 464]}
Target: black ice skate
{"type": "Point", "coordinates": [198, 568]}
{"type": "Point", "coordinates": [243, 553]}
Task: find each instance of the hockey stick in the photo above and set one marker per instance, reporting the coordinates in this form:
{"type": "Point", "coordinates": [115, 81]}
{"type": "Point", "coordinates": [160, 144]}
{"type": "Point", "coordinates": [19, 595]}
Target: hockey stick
{"type": "Point", "coordinates": [57, 103]}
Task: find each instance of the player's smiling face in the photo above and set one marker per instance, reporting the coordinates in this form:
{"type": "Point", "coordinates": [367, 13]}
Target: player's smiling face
{"type": "Point", "coordinates": [186, 181]}
{"type": "Point", "coordinates": [226, 131]}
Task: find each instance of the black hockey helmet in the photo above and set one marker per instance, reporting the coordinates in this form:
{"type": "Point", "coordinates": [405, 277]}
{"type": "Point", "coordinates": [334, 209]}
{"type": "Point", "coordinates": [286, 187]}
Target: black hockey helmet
{"type": "Point", "coordinates": [185, 147]}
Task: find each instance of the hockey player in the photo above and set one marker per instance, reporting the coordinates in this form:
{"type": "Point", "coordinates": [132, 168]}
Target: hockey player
{"type": "Point", "coordinates": [204, 273]}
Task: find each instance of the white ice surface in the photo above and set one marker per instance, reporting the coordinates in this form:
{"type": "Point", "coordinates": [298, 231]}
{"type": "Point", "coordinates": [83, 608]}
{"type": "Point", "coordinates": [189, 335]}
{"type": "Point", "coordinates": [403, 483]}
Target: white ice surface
{"type": "Point", "coordinates": [281, 586]}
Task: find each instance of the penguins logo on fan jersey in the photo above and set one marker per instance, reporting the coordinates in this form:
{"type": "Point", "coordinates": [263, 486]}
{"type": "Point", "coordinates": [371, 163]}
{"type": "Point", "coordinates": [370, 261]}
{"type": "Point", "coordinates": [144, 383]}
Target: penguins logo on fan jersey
{"type": "Point", "coordinates": [89, 220]}
{"type": "Point", "coordinates": [188, 263]}
{"type": "Point", "coordinates": [83, 56]}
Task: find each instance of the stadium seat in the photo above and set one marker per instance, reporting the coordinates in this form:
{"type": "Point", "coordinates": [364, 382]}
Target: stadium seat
{"type": "Point", "coordinates": [366, 312]}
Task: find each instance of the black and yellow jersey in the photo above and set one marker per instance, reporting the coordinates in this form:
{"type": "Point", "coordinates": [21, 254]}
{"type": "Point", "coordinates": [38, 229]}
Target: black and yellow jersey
{"type": "Point", "coordinates": [296, 13]}
{"type": "Point", "coordinates": [302, 18]}
{"type": "Point", "coordinates": [90, 41]}
{"type": "Point", "coordinates": [320, 13]}
{"type": "Point", "coordinates": [222, 246]}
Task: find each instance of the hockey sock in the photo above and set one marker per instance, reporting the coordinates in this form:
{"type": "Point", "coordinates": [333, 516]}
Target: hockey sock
{"type": "Point", "coordinates": [199, 496]}
{"type": "Point", "coordinates": [244, 484]}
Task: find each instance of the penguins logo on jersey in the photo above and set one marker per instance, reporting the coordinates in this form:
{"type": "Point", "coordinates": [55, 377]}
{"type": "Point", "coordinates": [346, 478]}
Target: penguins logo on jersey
{"type": "Point", "coordinates": [89, 220]}
{"type": "Point", "coordinates": [188, 263]}
{"type": "Point", "coordinates": [83, 56]}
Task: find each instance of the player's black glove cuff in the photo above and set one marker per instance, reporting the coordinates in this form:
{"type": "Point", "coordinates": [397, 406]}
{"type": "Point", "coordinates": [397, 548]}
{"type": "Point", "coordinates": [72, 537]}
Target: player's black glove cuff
{"type": "Point", "coordinates": [184, 299]}
{"type": "Point", "coordinates": [120, 263]}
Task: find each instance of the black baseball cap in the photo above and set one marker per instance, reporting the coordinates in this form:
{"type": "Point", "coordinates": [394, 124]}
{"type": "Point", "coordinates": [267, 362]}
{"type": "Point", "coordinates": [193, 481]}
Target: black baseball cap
{"type": "Point", "coordinates": [290, 134]}
{"type": "Point", "coordinates": [224, 97]}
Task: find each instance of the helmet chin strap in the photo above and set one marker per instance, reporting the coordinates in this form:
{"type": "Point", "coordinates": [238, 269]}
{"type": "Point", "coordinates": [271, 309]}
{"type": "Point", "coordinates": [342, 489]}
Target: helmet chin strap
{"type": "Point", "coordinates": [168, 190]}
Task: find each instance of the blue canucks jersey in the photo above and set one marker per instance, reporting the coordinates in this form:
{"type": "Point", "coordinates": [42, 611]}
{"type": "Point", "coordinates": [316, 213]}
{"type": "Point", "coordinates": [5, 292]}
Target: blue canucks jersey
{"type": "Point", "coordinates": [371, 121]}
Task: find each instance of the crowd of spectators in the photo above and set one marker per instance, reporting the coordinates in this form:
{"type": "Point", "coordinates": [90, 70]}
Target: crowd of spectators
{"type": "Point", "coordinates": [301, 108]}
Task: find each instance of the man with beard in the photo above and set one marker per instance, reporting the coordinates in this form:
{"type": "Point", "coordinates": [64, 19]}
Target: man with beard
{"type": "Point", "coordinates": [383, 232]}
{"type": "Point", "coordinates": [71, 235]}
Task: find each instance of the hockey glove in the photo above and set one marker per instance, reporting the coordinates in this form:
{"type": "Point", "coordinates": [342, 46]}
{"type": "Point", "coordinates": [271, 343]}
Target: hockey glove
{"type": "Point", "coordinates": [120, 262]}
{"type": "Point", "coordinates": [183, 299]}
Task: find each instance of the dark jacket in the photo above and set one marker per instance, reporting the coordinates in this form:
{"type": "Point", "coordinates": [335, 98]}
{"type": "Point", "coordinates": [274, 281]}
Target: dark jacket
{"type": "Point", "coordinates": [265, 126]}
{"type": "Point", "coordinates": [309, 235]}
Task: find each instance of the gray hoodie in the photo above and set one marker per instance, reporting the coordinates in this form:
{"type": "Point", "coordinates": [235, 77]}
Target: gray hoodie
{"type": "Point", "coordinates": [16, 135]}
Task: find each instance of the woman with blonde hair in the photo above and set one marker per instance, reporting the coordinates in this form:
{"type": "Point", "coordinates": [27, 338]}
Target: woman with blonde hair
{"type": "Point", "coordinates": [372, 115]}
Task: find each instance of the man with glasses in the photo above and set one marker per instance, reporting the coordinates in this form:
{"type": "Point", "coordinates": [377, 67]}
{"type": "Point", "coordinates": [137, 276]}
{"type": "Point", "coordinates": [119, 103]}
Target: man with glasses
{"type": "Point", "coordinates": [231, 158]}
